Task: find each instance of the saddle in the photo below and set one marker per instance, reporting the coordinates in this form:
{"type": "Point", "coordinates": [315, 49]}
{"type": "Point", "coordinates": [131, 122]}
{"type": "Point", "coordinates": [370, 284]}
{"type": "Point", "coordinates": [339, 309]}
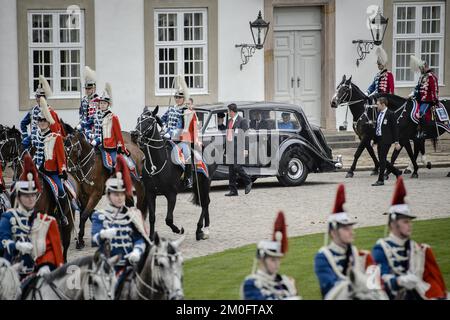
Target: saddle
{"type": "Point", "coordinates": [436, 115]}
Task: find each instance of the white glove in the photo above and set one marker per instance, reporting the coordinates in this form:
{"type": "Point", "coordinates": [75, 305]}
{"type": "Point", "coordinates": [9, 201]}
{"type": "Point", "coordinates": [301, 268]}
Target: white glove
{"type": "Point", "coordinates": [43, 271]}
{"type": "Point", "coordinates": [411, 94]}
{"type": "Point", "coordinates": [79, 127]}
{"type": "Point", "coordinates": [166, 135]}
{"type": "Point", "coordinates": [94, 143]}
{"type": "Point", "coordinates": [24, 247]}
{"type": "Point", "coordinates": [134, 256]}
{"type": "Point", "coordinates": [408, 281]}
{"type": "Point", "coordinates": [108, 233]}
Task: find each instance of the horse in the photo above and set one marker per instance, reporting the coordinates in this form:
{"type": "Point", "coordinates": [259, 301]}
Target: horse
{"type": "Point", "coordinates": [11, 153]}
{"type": "Point", "coordinates": [9, 280]}
{"type": "Point", "coordinates": [356, 287]}
{"type": "Point", "coordinates": [404, 107]}
{"type": "Point", "coordinates": [163, 176]}
{"type": "Point", "coordinates": [86, 278]}
{"type": "Point", "coordinates": [364, 122]}
{"type": "Point", "coordinates": [85, 163]}
{"type": "Point", "coordinates": [159, 275]}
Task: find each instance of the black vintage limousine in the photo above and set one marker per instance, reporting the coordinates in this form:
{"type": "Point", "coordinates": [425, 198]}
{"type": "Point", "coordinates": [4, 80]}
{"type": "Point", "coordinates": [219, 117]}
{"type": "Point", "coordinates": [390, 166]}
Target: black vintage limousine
{"type": "Point", "coordinates": [301, 147]}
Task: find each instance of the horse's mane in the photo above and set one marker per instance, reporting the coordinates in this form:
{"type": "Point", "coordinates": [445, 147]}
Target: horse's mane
{"type": "Point", "coordinates": [394, 100]}
{"type": "Point", "coordinates": [67, 127]}
{"type": "Point", "coordinates": [358, 90]}
{"type": "Point", "coordinates": [62, 271]}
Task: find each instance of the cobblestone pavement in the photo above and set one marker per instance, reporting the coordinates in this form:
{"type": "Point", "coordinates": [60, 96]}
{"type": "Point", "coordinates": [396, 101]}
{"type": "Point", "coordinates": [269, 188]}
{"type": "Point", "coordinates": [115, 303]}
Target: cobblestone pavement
{"type": "Point", "coordinates": [248, 218]}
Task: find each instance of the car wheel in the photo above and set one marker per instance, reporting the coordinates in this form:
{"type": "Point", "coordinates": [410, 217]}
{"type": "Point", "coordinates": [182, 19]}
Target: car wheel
{"type": "Point", "coordinates": [293, 167]}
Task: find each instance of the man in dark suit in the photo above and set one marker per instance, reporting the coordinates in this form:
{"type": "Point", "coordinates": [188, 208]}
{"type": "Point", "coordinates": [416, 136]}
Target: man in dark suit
{"type": "Point", "coordinates": [386, 133]}
{"type": "Point", "coordinates": [220, 121]}
{"type": "Point", "coordinates": [236, 126]}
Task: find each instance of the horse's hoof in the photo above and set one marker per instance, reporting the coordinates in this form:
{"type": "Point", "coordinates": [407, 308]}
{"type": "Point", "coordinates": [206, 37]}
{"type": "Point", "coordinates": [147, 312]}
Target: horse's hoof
{"type": "Point", "coordinates": [414, 176]}
{"type": "Point", "coordinates": [206, 231]}
{"type": "Point", "coordinates": [181, 231]}
{"type": "Point", "coordinates": [80, 244]}
{"type": "Point", "coordinates": [407, 171]}
{"type": "Point", "coordinates": [374, 173]}
{"type": "Point", "coordinates": [350, 174]}
{"type": "Point", "coordinates": [200, 235]}
{"type": "Point", "coordinates": [428, 165]}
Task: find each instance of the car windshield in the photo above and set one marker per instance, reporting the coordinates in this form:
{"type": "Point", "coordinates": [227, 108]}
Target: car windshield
{"type": "Point", "coordinates": [202, 116]}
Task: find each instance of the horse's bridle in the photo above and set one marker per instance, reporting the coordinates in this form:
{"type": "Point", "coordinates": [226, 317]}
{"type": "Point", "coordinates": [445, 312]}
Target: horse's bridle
{"type": "Point", "coordinates": [156, 280]}
{"type": "Point", "coordinates": [147, 142]}
{"type": "Point", "coordinates": [79, 167]}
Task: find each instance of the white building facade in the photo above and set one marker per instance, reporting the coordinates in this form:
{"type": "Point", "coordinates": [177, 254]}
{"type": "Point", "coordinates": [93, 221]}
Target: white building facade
{"type": "Point", "coordinates": [139, 46]}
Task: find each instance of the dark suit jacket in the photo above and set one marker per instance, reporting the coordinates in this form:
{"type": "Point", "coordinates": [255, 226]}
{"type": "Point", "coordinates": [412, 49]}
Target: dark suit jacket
{"type": "Point", "coordinates": [240, 123]}
{"type": "Point", "coordinates": [389, 129]}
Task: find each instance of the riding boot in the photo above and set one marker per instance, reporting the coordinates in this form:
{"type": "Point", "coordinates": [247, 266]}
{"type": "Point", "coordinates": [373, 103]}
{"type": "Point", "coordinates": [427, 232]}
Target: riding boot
{"type": "Point", "coordinates": [187, 180]}
{"type": "Point", "coordinates": [63, 203]}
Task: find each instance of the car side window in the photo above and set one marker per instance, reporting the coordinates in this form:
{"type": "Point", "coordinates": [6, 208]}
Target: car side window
{"type": "Point", "coordinates": [212, 124]}
{"type": "Point", "coordinates": [262, 120]}
{"type": "Point", "coordinates": [287, 120]}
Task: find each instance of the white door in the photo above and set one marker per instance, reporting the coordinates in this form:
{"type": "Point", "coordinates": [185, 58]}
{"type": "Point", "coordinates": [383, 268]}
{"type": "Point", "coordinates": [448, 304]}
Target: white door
{"type": "Point", "coordinates": [297, 70]}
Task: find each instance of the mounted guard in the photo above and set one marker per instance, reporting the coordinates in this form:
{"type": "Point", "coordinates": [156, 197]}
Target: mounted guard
{"type": "Point", "coordinates": [108, 133]}
{"type": "Point", "coordinates": [30, 119]}
{"type": "Point", "coordinates": [265, 283]}
{"type": "Point", "coordinates": [384, 79]}
{"type": "Point", "coordinates": [53, 167]}
{"type": "Point", "coordinates": [409, 269]}
{"type": "Point", "coordinates": [89, 102]}
{"type": "Point", "coordinates": [180, 126]}
{"type": "Point", "coordinates": [340, 265]}
{"type": "Point", "coordinates": [426, 92]}
{"type": "Point", "coordinates": [116, 227]}
{"type": "Point", "coordinates": [26, 235]}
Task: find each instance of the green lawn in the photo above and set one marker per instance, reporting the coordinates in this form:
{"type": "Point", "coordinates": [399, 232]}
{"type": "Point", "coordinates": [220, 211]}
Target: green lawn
{"type": "Point", "coordinates": [220, 275]}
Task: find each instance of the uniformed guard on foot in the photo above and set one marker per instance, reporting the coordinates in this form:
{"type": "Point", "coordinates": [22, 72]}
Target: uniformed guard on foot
{"type": "Point", "coordinates": [409, 269]}
{"type": "Point", "coordinates": [335, 261]}
{"type": "Point", "coordinates": [116, 228]}
{"type": "Point", "coordinates": [265, 283]}
{"type": "Point", "coordinates": [26, 235]}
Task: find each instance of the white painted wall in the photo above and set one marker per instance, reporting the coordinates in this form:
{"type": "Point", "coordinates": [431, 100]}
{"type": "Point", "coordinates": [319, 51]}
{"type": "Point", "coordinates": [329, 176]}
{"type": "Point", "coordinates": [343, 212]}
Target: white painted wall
{"type": "Point", "coordinates": [346, 31]}
{"type": "Point", "coordinates": [9, 81]}
{"type": "Point", "coordinates": [119, 56]}
{"type": "Point", "coordinates": [234, 84]}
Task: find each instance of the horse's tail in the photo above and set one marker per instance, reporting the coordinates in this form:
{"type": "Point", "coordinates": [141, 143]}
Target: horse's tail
{"type": "Point", "coordinates": [200, 190]}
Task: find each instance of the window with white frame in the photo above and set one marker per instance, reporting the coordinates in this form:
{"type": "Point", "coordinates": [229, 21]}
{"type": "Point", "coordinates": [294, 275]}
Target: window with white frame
{"type": "Point", "coordinates": [56, 50]}
{"type": "Point", "coordinates": [181, 47]}
{"type": "Point", "coordinates": [418, 30]}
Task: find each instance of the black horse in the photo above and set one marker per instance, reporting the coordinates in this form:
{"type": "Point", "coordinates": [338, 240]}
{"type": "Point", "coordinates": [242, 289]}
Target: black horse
{"type": "Point", "coordinates": [364, 120]}
{"type": "Point", "coordinates": [163, 177]}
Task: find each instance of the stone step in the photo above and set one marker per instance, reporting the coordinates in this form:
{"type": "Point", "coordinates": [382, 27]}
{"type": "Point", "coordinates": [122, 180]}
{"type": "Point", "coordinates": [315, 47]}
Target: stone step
{"type": "Point", "coordinates": [343, 144]}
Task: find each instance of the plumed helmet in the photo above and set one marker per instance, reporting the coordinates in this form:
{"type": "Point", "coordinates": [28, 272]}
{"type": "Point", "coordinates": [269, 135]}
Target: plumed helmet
{"type": "Point", "coordinates": [399, 207]}
{"type": "Point", "coordinates": [121, 181]}
{"type": "Point", "coordinates": [29, 180]}
{"type": "Point", "coordinates": [382, 57]}
{"type": "Point", "coordinates": [90, 77]}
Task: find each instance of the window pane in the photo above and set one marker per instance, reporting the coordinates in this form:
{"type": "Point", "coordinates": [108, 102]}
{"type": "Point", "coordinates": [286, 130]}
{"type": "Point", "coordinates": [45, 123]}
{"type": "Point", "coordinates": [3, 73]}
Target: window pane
{"type": "Point", "coordinates": [75, 56]}
{"type": "Point", "coordinates": [172, 20]}
{"type": "Point", "coordinates": [188, 19]}
{"type": "Point", "coordinates": [47, 36]}
{"type": "Point", "coordinates": [172, 34]}
{"type": "Point", "coordinates": [47, 56]}
{"type": "Point", "coordinates": [64, 56]}
{"type": "Point", "coordinates": [75, 85]}
{"type": "Point", "coordinates": [36, 20]}
{"type": "Point", "coordinates": [75, 35]}
{"type": "Point", "coordinates": [64, 70]}
{"type": "Point", "coordinates": [74, 70]}
{"type": "Point", "coordinates": [198, 53]}
{"type": "Point", "coordinates": [47, 21]}
{"type": "Point", "coordinates": [64, 85]}
{"type": "Point", "coordinates": [198, 19]}
{"type": "Point", "coordinates": [47, 70]}
{"type": "Point", "coordinates": [64, 35]}
{"type": "Point", "coordinates": [36, 36]}
{"type": "Point", "coordinates": [162, 20]}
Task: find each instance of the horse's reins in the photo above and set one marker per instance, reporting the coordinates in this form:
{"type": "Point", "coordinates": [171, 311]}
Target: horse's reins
{"type": "Point", "coordinates": [79, 166]}
{"type": "Point", "coordinates": [147, 142]}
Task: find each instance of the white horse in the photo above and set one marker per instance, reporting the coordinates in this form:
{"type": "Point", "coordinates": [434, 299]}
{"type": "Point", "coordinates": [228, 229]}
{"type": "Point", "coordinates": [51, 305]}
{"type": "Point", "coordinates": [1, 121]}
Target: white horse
{"type": "Point", "coordinates": [359, 286]}
{"type": "Point", "coordinates": [160, 274]}
{"type": "Point", "coordinates": [86, 278]}
{"type": "Point", "coordinates": [9, 280]}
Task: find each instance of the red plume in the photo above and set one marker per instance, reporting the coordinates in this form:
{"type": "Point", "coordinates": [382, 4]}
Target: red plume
{"type": "Point", "coordinates": [280, 228]}
{"type": "Point", "coordinates": [122, 166]}
{"type": "Point", "coordinates": [399, 193]}
{"type": "Point", "coordinates": [29, 167]}
{"type": "Point", "coordinates": [340, 199]}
